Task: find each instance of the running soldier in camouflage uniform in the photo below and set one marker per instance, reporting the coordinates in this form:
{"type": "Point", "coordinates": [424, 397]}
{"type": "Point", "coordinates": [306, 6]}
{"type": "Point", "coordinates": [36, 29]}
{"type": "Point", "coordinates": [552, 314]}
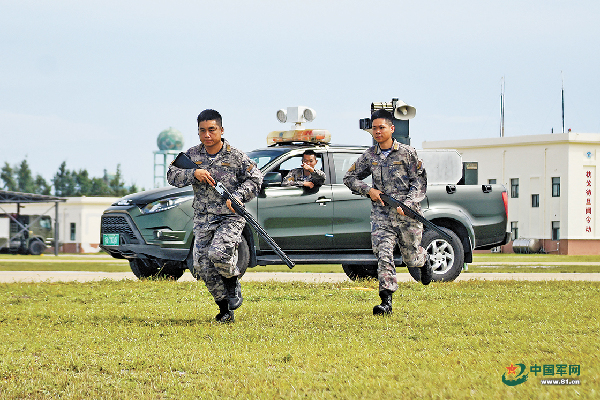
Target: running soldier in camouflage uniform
{"type": "Point", "coordinates": [307, 175]}
{"type": "Point", "coordinates": [217, 228]}
{"type": "Point", "coordinates": [396, 171]}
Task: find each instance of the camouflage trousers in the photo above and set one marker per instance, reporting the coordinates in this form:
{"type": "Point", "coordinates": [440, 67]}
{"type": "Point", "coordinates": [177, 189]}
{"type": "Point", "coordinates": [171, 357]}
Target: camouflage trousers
{"type": "Point", "coordinates": [385, 234]}
{"type": "Point", "coordinates": [215, 250]}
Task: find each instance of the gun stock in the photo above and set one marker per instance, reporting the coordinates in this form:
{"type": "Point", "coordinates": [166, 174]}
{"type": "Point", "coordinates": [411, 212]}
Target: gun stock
{"type": "Point", "coordinates": [184, 162]}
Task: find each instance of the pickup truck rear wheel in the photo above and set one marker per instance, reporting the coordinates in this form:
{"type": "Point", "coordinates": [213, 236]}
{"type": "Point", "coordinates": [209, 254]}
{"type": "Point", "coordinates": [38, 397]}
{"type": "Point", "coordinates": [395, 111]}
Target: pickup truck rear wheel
{"type": "Point", "coordinates": [415, 272]}
{"type": "Point", "coordinates": [156, 269]}
{"type": "Point", "coordinates": [447, 258]}
{"type": "Point", "coordinates": [354, 271]}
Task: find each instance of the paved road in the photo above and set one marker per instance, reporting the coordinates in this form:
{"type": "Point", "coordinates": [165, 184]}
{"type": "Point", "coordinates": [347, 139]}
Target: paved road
{"type": "Point", "coordinates": [67, 276]}
{"type": "Point", "coordinates": [108, 259]}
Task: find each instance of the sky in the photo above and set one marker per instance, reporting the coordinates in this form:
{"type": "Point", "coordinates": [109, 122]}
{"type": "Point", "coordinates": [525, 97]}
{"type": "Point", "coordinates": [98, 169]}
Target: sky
{"type": "Point", "coordinates": [93, 83]}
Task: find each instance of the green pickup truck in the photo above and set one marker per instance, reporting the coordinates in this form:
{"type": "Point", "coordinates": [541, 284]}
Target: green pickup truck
{"type": "Point", "coordinates": [325, 225]}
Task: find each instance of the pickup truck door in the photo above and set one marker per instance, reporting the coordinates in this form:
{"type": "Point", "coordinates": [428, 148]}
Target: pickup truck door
{"type": "Point", "coordinates": [352, 213]}
{"type": "Point", "coordinates": [297, 218]}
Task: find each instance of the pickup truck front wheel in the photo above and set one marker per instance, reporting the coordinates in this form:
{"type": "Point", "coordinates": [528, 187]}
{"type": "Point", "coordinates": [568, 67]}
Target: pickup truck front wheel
{"type": "Point", "coordinates": [354, 271]}
{"type": "Point", "coordinates": [155, 269]}
{"type": "Point", "coordinates": [447, 258]}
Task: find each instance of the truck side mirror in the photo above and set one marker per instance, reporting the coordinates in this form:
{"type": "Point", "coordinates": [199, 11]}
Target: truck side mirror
{"type": "Point", "coordinates": [272, 179]}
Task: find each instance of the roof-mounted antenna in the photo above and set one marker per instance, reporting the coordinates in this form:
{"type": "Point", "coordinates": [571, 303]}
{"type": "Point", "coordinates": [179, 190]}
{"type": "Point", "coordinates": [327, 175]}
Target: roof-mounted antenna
{"type": "Point", "coordinates": [562, 93]}
{"type": "Point", "coordinates": [502, 107]}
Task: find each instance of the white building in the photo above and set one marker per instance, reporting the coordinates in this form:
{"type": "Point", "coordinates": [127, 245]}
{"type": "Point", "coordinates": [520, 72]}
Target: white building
{"type": "Point", "coordinates": [78, 221]}
{"type": "Point", "coordinates": [551, 181]}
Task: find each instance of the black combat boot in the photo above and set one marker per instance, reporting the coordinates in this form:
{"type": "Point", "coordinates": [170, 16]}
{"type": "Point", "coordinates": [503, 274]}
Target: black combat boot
{"type": "Point", "coordinates": [426, 271]}
{"type": "Point", "coordinates": [234, 292]}
{"type": "Point", "coordinates": [386, 303]}
{"type": "Point", "coordinates": [225, 315]}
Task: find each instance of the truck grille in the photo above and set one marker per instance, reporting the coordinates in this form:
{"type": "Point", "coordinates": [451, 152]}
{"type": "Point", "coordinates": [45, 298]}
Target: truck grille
{"type": "Point", "coordinates": [118, 224]}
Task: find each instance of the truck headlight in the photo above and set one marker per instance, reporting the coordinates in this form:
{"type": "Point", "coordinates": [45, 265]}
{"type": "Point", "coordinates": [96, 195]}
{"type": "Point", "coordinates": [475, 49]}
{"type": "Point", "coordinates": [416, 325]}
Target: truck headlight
{"type": "Point", "coordinates": [165, 204]}
{"type": "Point", "coordinates": [123, 202]}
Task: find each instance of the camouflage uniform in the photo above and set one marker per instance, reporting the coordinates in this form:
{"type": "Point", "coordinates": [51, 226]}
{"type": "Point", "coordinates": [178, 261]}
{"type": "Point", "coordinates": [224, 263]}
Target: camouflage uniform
{"type": "Point", "coordinates": [296, 177]}
{"type": "Point", "coordinates": [217, 229]}
{"type": "Point", "coordinates": [401, 176]}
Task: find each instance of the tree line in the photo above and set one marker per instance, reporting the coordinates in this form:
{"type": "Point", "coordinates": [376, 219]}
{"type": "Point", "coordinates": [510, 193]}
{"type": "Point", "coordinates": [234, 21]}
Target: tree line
{"type": "Point", "coordinates": [65, 183]}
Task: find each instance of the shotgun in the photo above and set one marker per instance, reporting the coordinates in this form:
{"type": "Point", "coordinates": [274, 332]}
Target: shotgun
{"type": "Point", "coordinates": [392, 202]}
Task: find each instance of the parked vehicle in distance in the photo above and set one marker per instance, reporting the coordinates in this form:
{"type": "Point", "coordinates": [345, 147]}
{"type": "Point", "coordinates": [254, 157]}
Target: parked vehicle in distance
{"type": "Point", "coordinates": [14, 238]}
{"type": "Point", "coordinates": [324, 225]}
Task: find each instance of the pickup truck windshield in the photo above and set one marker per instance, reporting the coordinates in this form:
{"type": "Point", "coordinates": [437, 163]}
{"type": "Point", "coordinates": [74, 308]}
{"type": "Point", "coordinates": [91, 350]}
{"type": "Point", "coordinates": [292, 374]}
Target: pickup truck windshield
{"type": "Point", "coordinates": [263, 157]}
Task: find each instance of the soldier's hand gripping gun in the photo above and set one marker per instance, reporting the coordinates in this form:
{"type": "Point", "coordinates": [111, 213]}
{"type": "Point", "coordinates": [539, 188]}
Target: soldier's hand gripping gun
{"type": "Point", "coordinates": [184, 162]}
{"type": "Point", "coordinates": [392, 202]}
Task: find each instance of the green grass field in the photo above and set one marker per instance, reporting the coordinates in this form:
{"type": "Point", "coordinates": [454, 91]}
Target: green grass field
{"type": "Point", "coordinates": [158, 340]}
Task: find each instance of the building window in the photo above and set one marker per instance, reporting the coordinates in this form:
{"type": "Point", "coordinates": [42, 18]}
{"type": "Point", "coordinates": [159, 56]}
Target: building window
{"type": "Point", "coordinates": [514, 188]}
{"type": "Point", "coordinates": [491, 181]}
{"type": "Point", "coordinates": [535, 200]}
{"type": "Point", "coordinates": [514, 229]}
{"type": "Point", "coordinates": [73, 231]}
{"type": "Point", "coordinates": [555, 187]}
{"type": "Point", "coordinates": [555, 230]}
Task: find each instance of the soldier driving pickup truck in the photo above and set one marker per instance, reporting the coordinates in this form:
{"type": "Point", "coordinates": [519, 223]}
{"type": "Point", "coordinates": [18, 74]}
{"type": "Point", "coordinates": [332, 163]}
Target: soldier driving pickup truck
{"type": "Point", "coordinates": [327, 224]}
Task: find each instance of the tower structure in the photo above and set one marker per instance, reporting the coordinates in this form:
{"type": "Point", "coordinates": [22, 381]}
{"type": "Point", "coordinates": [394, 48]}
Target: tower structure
{"type": "Point", "coordinates": [170, 143]}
